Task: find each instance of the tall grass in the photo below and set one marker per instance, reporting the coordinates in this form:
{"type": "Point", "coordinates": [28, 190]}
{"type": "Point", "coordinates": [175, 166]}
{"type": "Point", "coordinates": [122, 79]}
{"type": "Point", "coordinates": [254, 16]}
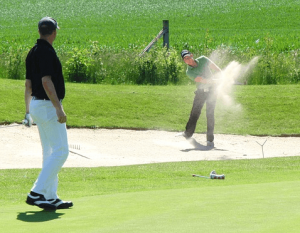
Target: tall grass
{"type": "Point", "coordinates": [122, 29]}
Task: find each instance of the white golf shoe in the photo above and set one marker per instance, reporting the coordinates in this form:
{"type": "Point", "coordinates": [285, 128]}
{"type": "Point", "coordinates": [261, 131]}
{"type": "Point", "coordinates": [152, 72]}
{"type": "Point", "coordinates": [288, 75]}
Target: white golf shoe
{"type": "Point", "coordinates": [60, 204]}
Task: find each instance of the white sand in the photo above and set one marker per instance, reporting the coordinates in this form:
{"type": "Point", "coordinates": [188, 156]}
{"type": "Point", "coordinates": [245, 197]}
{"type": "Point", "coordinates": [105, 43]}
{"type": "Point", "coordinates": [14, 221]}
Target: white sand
{"type": "Point", "coordinates": [20, 147]}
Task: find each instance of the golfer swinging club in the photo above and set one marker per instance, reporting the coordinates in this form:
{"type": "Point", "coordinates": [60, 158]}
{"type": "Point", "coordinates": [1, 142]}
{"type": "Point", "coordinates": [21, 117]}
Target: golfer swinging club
{"type": "Point", "coordinates": [44, 93]}
{"type": "Point", "coordinates": [202, 71]}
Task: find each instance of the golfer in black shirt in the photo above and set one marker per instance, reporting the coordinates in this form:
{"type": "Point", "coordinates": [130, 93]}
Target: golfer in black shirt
{"type": "Point", "coordinates": [44, 92]}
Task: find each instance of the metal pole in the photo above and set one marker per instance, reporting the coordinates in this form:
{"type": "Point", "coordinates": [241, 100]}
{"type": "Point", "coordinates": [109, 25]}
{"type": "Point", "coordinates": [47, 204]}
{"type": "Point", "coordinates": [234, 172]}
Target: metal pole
{"type": "Point", "coordinates": [166, 33]}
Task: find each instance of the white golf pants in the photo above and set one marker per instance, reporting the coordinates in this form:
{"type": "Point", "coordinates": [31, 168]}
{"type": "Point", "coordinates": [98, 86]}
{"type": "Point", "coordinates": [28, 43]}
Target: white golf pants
{"type": "Point", "coordinates": [55, 146]}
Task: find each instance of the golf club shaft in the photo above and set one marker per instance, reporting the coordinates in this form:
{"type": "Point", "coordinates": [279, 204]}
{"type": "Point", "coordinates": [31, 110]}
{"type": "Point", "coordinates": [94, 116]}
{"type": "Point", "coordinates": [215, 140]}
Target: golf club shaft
{"type": "Point", "coordinates": [213, 176]}
{"type": "Point", "coordinates": [194, 175]}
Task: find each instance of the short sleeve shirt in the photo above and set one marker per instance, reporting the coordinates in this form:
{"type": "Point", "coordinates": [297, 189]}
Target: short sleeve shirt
{"type": "Point", "coordinates": [201, 70]}
{"type": "Point", "coordinates": [42, 61]}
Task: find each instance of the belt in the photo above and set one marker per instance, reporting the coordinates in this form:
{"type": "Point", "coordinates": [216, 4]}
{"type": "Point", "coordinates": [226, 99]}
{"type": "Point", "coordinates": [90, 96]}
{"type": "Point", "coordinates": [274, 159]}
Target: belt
{"type": "Point", "coordinates": [37, 98]}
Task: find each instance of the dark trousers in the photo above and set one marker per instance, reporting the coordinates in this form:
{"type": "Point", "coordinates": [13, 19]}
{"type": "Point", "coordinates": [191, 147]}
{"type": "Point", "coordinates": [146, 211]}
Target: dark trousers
{"type": "Point", "coordinates": [201, 97]}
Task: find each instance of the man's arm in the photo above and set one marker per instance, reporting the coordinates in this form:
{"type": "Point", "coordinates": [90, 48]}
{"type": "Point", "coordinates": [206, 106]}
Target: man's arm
{"type": "Point", "coordinates": [214, 67]}
{"type": "Point", "coordinates": [51, 93]}
{"type": "Point", "coordinates": [28, 91]}
{"type": "Point", "coordinates": [211, 65]}
{"type": "Point", "coordinates": [27, 96]}
{"type": "Point", "coordinates": [199, 79]}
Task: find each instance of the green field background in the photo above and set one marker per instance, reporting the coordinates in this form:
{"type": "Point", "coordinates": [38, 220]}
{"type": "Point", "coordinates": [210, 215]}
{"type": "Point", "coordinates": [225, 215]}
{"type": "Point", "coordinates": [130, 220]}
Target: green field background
{"type": "Point", "coordinates": [127, 23]}
{"type": "Point", "coordinates": [122, 29]}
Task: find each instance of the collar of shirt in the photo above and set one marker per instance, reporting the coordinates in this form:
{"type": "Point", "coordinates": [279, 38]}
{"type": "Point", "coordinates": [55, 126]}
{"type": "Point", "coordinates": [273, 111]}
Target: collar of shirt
{"type": "Point", "coordinates": [43, 42]}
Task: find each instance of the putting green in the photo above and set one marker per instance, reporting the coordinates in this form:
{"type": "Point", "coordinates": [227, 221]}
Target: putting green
{"type": "Point", "coordinates": [270, 207]}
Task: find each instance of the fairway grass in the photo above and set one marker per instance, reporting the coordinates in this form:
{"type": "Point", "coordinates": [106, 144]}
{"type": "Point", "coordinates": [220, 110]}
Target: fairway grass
{"type": "Point", "coordinates": [258, 195]}
{"type": "Point", "coordinates": [271, 207]}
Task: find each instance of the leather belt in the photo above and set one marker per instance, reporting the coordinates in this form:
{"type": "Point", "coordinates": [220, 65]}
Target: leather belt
{"type": "Point", "coordinates": [37, 98]}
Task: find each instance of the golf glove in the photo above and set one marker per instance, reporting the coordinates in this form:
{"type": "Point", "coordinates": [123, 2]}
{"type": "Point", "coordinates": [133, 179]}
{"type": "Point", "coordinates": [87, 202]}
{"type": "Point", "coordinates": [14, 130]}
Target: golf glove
{"type": "Point", "coordinates": [28, 120]}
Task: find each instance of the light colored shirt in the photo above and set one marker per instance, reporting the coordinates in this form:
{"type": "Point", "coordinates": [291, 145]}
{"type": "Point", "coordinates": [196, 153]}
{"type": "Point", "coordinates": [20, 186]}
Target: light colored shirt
{"type": "Point", "coordinates": [201, 70]}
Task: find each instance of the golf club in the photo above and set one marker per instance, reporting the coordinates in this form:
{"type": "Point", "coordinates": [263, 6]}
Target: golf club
{"type": "Point", "coordinates": [213, 175]}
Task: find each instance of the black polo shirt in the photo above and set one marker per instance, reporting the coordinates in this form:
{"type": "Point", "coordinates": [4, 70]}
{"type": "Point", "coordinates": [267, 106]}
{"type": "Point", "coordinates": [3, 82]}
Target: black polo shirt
{"type": "Point", "coordinates": [42, 61]}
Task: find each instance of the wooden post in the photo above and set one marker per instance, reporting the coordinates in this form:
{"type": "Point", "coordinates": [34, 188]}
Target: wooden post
{"type": "Point", "coordinates": [166, 33]}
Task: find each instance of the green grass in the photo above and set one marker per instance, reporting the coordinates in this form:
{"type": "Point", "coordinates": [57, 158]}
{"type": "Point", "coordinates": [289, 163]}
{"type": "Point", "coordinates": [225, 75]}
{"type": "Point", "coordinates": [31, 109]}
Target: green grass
{"type": "Point", "coordinates": [162, 198]}
{"type": "Point", "coordinates": [124, 24]}
{"type": "Point", "coordinates": [256, 196]}
{"type": "Point", "coordinates": [122, 29]}
{"type": "Point", "coordinates": [258, 110]}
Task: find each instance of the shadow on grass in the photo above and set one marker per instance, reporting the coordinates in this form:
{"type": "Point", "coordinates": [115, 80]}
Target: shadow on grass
{"type": "Point", "coordinates": [38, 216]}
{"type": "Point", "coordinates": [198, 146]}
